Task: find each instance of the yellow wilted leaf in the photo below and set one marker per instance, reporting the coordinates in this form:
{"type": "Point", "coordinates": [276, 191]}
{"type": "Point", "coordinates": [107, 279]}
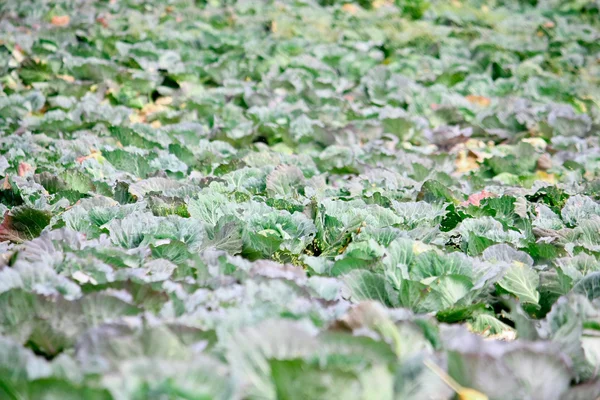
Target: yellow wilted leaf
{"type": "Point", "coordinates": [164, 101]}
{"type": "Point", "coordinates": [66, 78]}
{"type": "Point", "coordinates": [152, 108]}
{"type": "Point", "coordinates": [95, 154]}
{"type": "Point", "coordinates": [479, 100]}
{"type": "Point", "coordinates": [536, 142]}
{"type": "Point", "coordinates": [466, 161]}
{"type": "Point", "coordinates": [462, 392]}
{"type": "Point", "coordinates": [470, 394]}
{"type": "Point", "coordinates": [419, 247]}
{"type": "Point", "coordinates": [545, 177]}
{"type": "Point", "coordinates": [350, 8]}
{"type": "Point", "coordinates": [505, 336]}
{"type": "Point", "coordinates": [380, 3]}
{"type": "Point", "coordinates": [580, 105]}
{"type": "Point", "coordinates": [137, 118]}
{"type": "Point", "coordinates": [18, 54]}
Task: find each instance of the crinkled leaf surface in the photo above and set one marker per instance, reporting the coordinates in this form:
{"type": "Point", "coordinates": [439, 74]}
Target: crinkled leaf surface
{"type": "Point", "coordinates": [294, 199]}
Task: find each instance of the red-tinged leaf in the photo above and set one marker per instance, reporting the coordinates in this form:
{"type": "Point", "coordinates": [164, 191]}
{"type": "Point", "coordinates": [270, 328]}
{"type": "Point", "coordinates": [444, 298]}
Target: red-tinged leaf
{"type": "Point", "coordinates": [24, 169]}
{"type": "Point", "coordinates": [475, 198]}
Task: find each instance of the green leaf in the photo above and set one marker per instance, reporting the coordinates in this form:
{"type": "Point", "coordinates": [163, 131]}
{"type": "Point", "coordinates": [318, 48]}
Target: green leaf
{"type": "Point", "coordinates": [129, 137]}
{"type": "Point", "coordinates": [578, 209]}
{"type": "Point", "coordinates": [433, 191]}
{"type": "Point", "coordinates": [365, 285]}
{"type": "Point", "coordinates": [449, 289]}
{"type": "Point", "coordinates": [459, 313]}
{"type": "Point", "coordinates": [209, 206]}
{"type": "Point", "coordinates": [285, 180]}
{"type": "Point", "coordinates": [129, 162]}
{"type": "Point", "coordinates": [153, 185]}
{"type": "Point", "coordinates": [295, 379]}
{"type": "Point", "coordinates": [589, 286]}
{"type": "Point", "coordinates": [130, 231]}
{"type": "Point", "coordinates": [489, 325]}
{"type": "Point", "coordinates": [522, 281]}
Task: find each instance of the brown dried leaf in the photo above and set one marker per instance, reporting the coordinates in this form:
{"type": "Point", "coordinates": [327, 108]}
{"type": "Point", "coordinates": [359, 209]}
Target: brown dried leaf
{"type": "Point", "coordinates": [544, 162]}
{"type": "Point", "coordinates": [481, 101]}
{"type": "Point", "coordinates": [66, 78]}
{"type": "Point", "coordinates": [60, 20]}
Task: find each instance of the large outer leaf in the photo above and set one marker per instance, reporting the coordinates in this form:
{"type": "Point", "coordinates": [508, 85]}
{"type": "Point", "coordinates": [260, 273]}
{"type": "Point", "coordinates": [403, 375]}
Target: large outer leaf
{"type": "Point", "coordinates": [589, 286]}
{"type": "Point", "coordinates": [365, 285]}
{"type": "Point", "coordinates": [295, 380]}
{"type": "Point", "coordinates": [195, 195]}
{"type": "Point", "coordinates": [51, 325]}
{"type": "Point", "coordinates": [285, 180]}
{"type": "Point", "coordinates": [522, 281]}
{"type": "Point", "coordinates": [507, 370]}
{"type": "Point", "coordinates": [23, 223]}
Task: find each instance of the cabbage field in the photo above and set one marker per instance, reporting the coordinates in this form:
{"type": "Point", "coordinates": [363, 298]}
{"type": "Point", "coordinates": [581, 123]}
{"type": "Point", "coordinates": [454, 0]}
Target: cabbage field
{"type": "Point", "coordinates": [299, 199]}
